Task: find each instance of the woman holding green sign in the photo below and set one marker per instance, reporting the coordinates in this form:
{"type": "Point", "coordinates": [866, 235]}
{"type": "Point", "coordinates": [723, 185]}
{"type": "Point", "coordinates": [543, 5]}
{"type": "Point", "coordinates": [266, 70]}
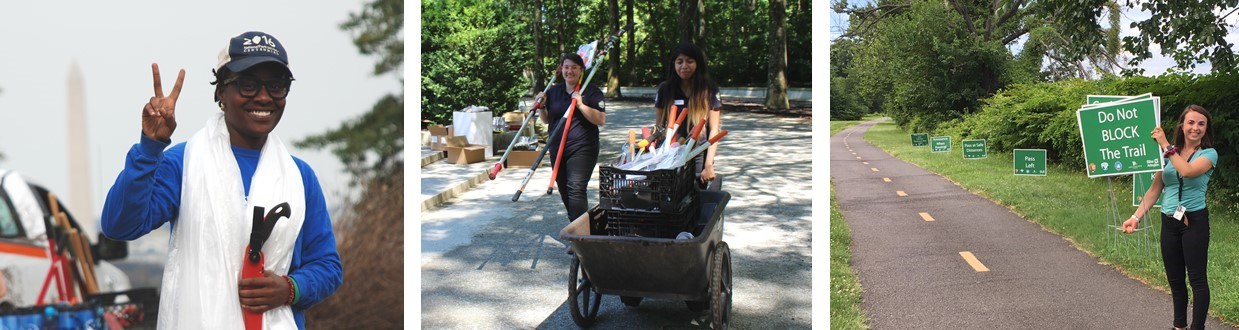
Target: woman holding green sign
{"type": "Point", "coordinates": [1185, 218]}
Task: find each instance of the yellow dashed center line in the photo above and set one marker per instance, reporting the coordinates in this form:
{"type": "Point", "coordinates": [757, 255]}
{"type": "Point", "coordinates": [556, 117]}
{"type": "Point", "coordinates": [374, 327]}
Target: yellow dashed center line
{"type": "Point", "coordinates": [926, 216]}
{"type": "Point", "coordinates": [886, 179]}
{"type": "Point", "coordinates": [875, 169]}
{"type": "Point", "coordinates": [972, 261]}
{"type": "Point", "coordinates": [901, 193]}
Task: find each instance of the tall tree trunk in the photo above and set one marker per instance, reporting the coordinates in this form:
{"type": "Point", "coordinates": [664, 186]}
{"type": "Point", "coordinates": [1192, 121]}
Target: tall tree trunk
{"type": "Point", "coordinates": [631, 57]}
{"type": "Point", "coordinates": [559, 23]}
{"type": "Point", "coordinates": [693, 22]}
{"type": "Point", "coordinates": [776, 89]}
{"type": "Point", "coordinates": [539, 74]}
{"type": "Point", "coordinates": [699, 31]}
{"type": "Point", "coordinates": [686, 19]}
{"type": "Point", "coordinates": [613, 72]}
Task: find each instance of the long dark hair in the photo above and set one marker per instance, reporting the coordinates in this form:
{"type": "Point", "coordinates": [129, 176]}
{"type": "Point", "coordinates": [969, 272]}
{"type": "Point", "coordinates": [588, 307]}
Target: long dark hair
{"type": "Point", "coordinates": [702, 85]}
{"type": "Point", "coordinates": [1205, 141]}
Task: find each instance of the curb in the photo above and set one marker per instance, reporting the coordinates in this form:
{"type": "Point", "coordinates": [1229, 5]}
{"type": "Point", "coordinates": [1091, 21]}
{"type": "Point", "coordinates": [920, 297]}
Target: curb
{"type": "Point", "coordinates": [442, 197]}
{"type": "Point", "coordinates": [434, 157]}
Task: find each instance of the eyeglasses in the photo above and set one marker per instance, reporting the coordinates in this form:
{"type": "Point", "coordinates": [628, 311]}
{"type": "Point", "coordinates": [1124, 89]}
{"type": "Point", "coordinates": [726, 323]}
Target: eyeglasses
{"type": "Point", "coordinates": [248, 86]}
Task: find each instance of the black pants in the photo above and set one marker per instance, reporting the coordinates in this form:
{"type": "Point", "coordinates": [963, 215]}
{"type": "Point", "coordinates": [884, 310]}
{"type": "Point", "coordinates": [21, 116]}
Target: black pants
{"type": "Point", "coordinates": [1187, 248]}
{"type": "Point", "coordinates": [574, 173]}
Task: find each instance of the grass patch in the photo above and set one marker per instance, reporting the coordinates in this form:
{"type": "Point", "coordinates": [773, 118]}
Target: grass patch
{"type": "Point", "coordinates": [845, 288]}
{"type": "Point", "coordinates": [1068, 203]}
{"type": "Point", "coordinates": [839, 125]}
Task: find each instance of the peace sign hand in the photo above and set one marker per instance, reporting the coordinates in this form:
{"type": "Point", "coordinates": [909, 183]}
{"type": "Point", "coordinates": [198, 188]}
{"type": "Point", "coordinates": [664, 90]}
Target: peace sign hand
{"type": "Point", "coordinates": [159, 115]}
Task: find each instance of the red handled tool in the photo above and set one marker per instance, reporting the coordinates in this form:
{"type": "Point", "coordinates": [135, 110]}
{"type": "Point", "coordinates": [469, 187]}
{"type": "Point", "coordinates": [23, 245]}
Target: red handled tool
{"type": "Point", "coordinates": [255, 261]}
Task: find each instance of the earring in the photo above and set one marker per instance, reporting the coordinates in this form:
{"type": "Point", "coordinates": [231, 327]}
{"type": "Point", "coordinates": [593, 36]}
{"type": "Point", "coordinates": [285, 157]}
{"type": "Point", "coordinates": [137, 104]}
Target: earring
{"type": "Point", "coordinates": [221, 106]}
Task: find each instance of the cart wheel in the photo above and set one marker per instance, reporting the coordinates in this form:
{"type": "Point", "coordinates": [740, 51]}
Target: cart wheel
{"type": "Point", "coordinates": [579, 293]}
{"type": "Point", "coordinates": [720, 292]}
{"type": "Point", "coordinates": [631, 301]}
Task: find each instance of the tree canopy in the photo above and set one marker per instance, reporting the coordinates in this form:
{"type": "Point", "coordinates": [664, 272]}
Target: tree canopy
{"type": "Point", "coordinates": [482, 52]}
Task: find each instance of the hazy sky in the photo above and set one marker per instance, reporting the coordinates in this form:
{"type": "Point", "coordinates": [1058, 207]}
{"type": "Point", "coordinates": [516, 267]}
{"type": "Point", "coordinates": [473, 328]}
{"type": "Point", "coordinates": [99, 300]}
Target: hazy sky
{"type": "Point", "coordinates": [114, 44]}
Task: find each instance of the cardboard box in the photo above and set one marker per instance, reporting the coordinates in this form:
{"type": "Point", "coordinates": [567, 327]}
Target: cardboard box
{"type": "Point", "coordinates": [460, 152]}
{"type": "Point", "coordinates": [522, 158]}
{"type": "Point", "coordinates": [438, 143]}
{"type": "Point", "coordinates": [440, 130]}
{"type": "Point", "coordinates": [514, 116]}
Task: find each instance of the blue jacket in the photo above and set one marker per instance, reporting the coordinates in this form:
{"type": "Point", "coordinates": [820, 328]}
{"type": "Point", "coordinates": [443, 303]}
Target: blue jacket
{"type": "Point", "coordinates": [147, 193]}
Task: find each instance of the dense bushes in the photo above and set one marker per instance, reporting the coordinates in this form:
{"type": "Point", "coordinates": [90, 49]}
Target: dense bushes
{"type": "Point", "coordinates": [1042, 116]}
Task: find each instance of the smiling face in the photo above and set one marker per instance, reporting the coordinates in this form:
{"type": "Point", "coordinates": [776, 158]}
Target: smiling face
{"type": "Point", "coordinates": [571, 71]}
{"type": "Point", "coordinates": [685, 66]}
{"type": "Point", "coordinates": [1194, 126]}
{"type": "Point", "coordinates": [250, 119]}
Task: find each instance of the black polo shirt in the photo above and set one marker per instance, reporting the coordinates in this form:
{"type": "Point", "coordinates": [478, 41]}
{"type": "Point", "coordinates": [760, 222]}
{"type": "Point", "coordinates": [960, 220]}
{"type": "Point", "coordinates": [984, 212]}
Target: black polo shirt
{"type": "Point", "coordinates": [682, 102]}
{"type": "Point", "coordinates": [583, 134]}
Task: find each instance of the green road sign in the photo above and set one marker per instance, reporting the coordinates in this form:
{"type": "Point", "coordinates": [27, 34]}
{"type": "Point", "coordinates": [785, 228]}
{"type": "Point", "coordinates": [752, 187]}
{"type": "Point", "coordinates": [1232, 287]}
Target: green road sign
{"type": "Point", "coordinates": [974, 149]}
{"type": "Point", "coordinates": [1116, 138]}
{"type": "Point", "coordinates": [1029, 161]}
{"type": "Point", "coordinates": [940, 144]}
{"type": "Point", "coordinates": [1139, 185]}
{"type": "Point", "coordinates": [1094, 99]}
{"type": "Point", "coordinates": [920, 139]}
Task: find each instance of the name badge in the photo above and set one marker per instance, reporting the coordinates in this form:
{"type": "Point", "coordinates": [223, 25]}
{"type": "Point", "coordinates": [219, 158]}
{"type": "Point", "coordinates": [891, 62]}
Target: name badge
{"type": "Point", "coordinates": [1178, 212]}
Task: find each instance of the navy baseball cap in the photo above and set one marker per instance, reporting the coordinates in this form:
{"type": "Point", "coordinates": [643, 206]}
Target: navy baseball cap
{"type": "Point", "coordinates": [252, 48]}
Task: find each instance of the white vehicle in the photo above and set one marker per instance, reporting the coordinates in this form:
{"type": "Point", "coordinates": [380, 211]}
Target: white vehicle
{"type": "Point", "coordinates": [25, 257]}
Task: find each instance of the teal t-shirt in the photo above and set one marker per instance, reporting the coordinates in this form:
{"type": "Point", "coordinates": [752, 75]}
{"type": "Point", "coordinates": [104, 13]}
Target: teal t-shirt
{"type": "Point", "coordinates": [1193, 188]}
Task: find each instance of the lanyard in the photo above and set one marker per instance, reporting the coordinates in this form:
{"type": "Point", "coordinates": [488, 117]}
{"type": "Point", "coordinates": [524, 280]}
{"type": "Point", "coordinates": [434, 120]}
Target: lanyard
{"type": "Point", "coordinates": [1180, 176]}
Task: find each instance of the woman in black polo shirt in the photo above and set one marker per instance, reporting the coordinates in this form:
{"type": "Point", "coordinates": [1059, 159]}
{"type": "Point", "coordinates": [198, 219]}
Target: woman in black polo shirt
{"type": "Point", "coordinates": [581, 149]}
{"type": "Point", "coordinates": [690, 88]}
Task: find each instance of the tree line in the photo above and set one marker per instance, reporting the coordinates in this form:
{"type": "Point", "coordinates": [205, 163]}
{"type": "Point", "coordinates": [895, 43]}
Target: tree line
{"type": "Point", "coordinates": [490, 53]}
{"type": "Point", "coordinates": [1014, 71]}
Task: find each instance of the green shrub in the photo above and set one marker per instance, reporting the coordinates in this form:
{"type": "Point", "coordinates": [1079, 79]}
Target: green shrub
{"type": "Point", "coordinates": [1042, 116]}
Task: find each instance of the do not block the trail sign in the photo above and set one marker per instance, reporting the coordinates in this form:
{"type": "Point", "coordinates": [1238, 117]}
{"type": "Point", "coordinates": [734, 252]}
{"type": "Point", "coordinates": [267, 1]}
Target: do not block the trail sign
{"type": "Point", "coordinates": [940, 144]}
{"type": "Point", "coordinates": [920, 139]}
{"type": "Point", "coordinates": [1116, 136]}
{"type": "Point", "coordinates": [1029, 161]}
{"type": "Point", "coordinates": [974, 149]}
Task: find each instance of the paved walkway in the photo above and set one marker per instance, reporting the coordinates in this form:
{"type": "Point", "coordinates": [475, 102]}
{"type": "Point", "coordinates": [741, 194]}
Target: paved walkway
{"type": "Point", "coordinates": [915, 275]}
{"type": "Point", "coordinates": [488, 262]}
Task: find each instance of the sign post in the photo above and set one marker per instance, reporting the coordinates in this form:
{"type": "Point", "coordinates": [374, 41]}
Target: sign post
{"type": "Point", "coordinates": [1030, 162]}
{"type": "Point", "coordinates": [940, 144]}
{"type": "Point", "coordinates": [974, 149]}
{"type": "Point", "coordinates": [1114, 131]}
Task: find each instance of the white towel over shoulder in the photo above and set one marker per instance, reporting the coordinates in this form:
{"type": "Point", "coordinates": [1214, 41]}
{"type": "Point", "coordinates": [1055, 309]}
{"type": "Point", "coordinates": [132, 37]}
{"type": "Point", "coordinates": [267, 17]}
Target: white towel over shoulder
{"type": "Point", "coordinates": [200, 282]}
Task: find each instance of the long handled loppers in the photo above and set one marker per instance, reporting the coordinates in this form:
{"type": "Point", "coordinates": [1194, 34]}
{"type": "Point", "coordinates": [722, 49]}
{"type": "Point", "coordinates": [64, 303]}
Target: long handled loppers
{"type": "Point", "coordinates": [563, 139]}
{"type": "Point", "coordinates": [559, 129]}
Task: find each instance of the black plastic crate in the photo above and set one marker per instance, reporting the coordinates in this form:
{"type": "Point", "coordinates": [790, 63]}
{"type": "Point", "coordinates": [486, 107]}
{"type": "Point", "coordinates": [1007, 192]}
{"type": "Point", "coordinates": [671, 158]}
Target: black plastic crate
{"type": "Point", "coordinates": [664, 191]}
{"type": "Point", "coordinates": [649, 224]}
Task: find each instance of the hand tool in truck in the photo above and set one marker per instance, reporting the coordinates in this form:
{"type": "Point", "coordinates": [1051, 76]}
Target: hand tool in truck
{"type": "Point", "coordinates": [674, 126]}
{"type": "Point", "coordinates": [255, 261]}
{"type": "Point", "coordinates": [705, 145]}
{"type": "Point", "coordinates": [563, 139]}
{"type": "Point", "coordinates": [541, 154]}
{"type": "Point", "coordinates": [533, 112]}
